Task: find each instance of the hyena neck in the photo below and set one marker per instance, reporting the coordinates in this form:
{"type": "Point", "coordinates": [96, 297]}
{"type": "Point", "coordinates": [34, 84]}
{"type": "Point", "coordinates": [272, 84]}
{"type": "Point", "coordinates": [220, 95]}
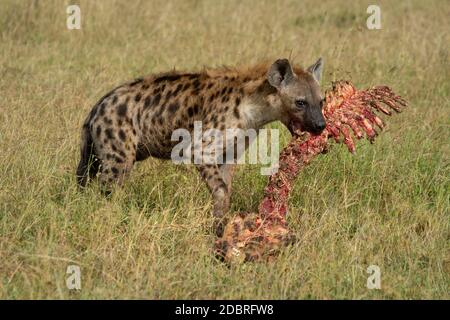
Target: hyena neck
{"type": "Point", "coordinates": [258, 104]}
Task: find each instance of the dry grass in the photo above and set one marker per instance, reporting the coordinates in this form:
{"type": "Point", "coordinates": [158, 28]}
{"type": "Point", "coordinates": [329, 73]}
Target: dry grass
{"type": "Point", "coordinates": [388, 205]}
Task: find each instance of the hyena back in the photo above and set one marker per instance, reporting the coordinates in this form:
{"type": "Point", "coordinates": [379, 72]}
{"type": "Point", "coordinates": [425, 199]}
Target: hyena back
{"type": "Point", "coordinates": [136, 120]}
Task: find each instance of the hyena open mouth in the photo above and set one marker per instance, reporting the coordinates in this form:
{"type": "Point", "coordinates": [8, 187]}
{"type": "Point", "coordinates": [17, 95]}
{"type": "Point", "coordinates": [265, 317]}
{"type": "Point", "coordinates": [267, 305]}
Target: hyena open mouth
{"type": "Point", "coordinates": [295, 127]}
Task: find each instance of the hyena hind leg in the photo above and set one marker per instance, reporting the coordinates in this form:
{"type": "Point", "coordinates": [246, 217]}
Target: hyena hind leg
{"type": "Point", "coordinates": [117, 159]}
{"type": "Point", "coordinates": [114, 171]}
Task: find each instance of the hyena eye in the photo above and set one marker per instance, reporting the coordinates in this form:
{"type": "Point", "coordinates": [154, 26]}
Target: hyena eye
{"type": "Point", "coordinates": [300, 103]}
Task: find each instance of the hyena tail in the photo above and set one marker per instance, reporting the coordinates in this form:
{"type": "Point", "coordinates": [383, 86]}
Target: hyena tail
{"type": "Point", "coordinates": [89, 163]}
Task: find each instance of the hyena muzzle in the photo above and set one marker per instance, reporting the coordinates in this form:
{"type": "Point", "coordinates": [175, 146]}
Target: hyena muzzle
{"type": "Point", "coordinates": [136, 120]}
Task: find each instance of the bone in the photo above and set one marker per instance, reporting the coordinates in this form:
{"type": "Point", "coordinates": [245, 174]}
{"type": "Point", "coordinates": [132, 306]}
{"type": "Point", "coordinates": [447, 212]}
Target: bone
{"type": "Point", "coordinates": [261, 235]}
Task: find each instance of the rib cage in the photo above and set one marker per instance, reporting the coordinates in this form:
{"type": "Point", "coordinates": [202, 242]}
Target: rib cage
{"type": "Point", "coordinates": [349, 113]}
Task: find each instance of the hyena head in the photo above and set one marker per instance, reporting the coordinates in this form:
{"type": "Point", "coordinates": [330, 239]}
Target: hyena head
{"type": "Point", "coordinates": [298, 96]}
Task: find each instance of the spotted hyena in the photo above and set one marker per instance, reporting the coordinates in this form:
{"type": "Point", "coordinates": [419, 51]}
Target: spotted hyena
{"type": "Point", "coordinates": [136, 120]}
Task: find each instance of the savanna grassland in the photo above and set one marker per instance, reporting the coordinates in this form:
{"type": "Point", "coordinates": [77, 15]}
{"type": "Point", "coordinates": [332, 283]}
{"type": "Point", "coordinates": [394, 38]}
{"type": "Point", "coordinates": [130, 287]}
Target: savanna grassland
{"type": "Point", "coordinates": [387, 205]}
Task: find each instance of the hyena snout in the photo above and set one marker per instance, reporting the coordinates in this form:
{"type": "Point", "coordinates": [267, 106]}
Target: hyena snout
{"type": "Point", "coordinates": [318, 126]}
{"type": "Point", "coordinates": [315, 122]}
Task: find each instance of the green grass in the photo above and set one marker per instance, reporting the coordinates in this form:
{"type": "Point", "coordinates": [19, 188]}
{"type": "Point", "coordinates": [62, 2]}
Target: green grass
{"type": "Point", "coordinates": [388, 205]}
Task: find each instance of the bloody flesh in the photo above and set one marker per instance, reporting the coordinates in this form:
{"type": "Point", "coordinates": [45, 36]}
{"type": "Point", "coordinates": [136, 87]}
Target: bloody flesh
{"type": "Point", "coordinates": [349, 114]}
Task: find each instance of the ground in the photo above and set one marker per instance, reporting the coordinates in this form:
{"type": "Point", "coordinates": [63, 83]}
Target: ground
{"type": "Point", "coordinates": [387, 205]}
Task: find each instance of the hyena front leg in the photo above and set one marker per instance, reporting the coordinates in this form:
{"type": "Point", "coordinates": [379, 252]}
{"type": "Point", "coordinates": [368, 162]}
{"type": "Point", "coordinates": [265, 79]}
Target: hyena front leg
{"type": "Point", "coordinates": [219, 189]}
{"type": "Point", "coordinates": [227, 171]}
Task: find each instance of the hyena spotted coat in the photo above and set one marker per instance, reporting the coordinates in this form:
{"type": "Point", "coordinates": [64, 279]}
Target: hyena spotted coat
{"type": "Point", "coordinates": [136, 120]}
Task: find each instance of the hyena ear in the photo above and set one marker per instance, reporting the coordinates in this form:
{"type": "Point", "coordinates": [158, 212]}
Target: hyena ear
{"type": "Point", "coordinates": [280, 73]}
{"type": "Point", "coordinates": [316, 69]}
